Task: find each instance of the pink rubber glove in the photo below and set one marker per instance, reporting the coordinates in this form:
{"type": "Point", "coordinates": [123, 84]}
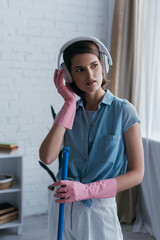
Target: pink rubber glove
{"type": "Point", "coordinates": [75, 191]}
{"type": "Point", "coordinates": [66, 115]}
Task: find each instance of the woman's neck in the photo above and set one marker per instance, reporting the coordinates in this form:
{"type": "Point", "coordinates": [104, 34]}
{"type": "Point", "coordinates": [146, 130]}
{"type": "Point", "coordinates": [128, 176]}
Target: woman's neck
{"type": "Point", "coordinates": [93, 99]}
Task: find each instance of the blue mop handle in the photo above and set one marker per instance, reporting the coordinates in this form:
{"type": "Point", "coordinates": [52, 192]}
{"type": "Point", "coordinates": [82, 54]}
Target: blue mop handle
{"type": "Point", "coordinates": [64, 177]}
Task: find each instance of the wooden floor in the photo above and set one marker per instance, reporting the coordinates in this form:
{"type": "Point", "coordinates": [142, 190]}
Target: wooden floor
{"type": "Point", "coordinates": [35, 228]}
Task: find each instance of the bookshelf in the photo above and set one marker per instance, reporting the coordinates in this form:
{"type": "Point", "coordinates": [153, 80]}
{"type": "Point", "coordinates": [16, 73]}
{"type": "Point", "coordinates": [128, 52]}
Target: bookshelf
{"type": "Point", "coordinates": [13, 164]}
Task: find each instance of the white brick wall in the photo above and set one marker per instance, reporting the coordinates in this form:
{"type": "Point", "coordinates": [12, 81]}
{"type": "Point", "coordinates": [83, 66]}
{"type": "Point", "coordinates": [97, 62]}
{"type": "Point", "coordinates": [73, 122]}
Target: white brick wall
{"type": "Point", "coordinates": [31, 34]}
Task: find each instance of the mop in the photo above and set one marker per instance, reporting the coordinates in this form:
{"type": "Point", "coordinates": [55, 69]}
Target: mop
{"type": "Point", "coordinates": [64, 177]}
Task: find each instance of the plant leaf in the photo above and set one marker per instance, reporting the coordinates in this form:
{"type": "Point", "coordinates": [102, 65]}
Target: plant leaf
{"type": "Point", "coordinates": [53, 112]}
{"type": "Point", "coordinates": [48, 170]}
{"type": "Point", "coordinates": [60, 156]}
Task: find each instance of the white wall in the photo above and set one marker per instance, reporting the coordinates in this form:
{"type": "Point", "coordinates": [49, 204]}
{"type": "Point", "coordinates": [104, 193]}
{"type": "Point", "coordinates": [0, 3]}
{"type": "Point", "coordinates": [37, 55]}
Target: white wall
{"type": "Point", "coordinates": [31, 34]}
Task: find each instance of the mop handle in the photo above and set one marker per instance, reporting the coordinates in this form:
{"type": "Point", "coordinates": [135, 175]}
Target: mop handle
{"type": "Point", "coordinates": [64, 177]}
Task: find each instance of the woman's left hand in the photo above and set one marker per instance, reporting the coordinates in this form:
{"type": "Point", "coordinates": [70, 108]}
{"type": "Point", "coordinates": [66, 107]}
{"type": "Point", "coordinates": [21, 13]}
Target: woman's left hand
{"type": "Point", "coordinates": [69, 191]}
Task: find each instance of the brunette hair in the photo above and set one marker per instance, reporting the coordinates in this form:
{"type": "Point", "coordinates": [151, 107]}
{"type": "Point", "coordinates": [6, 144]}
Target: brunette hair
{"type": "Point", "coordinates": [80, 47]}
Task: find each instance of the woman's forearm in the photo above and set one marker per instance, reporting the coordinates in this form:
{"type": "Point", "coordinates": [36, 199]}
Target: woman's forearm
{"type": "Point", "coordinates": [51, 146]}
{"type": "Point", "coordinates": [129, 180]}
{"type": "Point", "coordinates": [135, 169]}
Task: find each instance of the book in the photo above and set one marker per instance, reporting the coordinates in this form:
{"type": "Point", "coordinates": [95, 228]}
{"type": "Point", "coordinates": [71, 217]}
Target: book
{"type": "Point", "coordinates": [6, 207]}
{"type": "Point", "coordinates": [8, 214]}
{"type": "Point", "coordinates": [8, 219]}
{"type": "Point", "coordinates": [8, 146]}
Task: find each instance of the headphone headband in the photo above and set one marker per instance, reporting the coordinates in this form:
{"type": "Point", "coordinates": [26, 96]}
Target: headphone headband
{"type": "Point", "coordinates": [101, 46]}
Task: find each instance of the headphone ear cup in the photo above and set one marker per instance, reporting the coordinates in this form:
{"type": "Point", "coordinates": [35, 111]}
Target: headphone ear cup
{"type": "Point", "coordinates": [67, 77]}
{"type": "Point", "coordinates": [104, 62]}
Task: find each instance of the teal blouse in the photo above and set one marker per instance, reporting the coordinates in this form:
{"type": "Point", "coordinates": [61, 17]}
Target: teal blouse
{"type": "Point", "coordinates": [97, 147]}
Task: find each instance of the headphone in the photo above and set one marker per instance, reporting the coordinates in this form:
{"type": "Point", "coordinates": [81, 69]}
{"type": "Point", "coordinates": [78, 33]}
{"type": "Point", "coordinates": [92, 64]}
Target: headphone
{"type": "Point", "coordinates": [105, 57]}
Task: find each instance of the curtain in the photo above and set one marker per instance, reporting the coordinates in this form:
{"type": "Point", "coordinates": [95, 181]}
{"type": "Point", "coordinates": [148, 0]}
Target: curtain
{"type": "Point", "coordinates": [148, 92]}
{"type": "Point", "coordinates": [122, 48]}
{"type": "Point", "coordinates": [149, 56]}
{"type": "Point", "coordinates": [116, 42]}
{"type": "Point", "coordinates": [135, 51]}
{"type": "Point", "coordinates": [135, 75]}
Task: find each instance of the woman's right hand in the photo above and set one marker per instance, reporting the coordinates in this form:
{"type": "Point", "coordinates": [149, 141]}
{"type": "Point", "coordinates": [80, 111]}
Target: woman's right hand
{"type": "Point", "coordinates": [64, 90]}
{"type": "Point", "coordinates": [66, 115]}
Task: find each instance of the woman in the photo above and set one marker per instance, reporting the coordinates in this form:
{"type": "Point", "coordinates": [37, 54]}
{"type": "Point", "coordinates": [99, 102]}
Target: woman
{"type": "Point", "coordinates": [106, 153]}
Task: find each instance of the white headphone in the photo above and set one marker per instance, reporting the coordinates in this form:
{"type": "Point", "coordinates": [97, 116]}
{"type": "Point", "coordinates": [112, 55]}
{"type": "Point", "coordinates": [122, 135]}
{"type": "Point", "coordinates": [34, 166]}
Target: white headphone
{"type": "Point", "coordinates": [105, 57]}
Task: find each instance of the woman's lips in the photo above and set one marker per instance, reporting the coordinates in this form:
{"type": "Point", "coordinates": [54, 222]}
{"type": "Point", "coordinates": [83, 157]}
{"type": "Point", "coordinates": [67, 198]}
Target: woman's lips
{"type": "Point", "coordinates": [89, 83]}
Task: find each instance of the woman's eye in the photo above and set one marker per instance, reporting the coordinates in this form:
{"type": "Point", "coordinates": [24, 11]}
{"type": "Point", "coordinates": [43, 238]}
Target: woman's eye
{"type": "Point", "coordinates": [95, 65]}
{"type": "Point", "coordinates": [79, 69]}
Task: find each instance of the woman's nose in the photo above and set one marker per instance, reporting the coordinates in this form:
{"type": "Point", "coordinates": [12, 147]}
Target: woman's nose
{"type": "Point", "coordinates": [89, 73]}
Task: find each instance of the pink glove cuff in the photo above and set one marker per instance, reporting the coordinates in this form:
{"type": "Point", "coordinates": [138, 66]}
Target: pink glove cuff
{"type": "Point", "coordinates": [66, 116]}
{"type": "Point", "coordinates": [103, 189]}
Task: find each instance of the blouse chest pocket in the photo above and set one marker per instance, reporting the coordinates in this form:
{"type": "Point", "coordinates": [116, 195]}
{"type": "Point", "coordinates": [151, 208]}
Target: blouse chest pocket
{"type": "Point", "coordinates": [111, 146]}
